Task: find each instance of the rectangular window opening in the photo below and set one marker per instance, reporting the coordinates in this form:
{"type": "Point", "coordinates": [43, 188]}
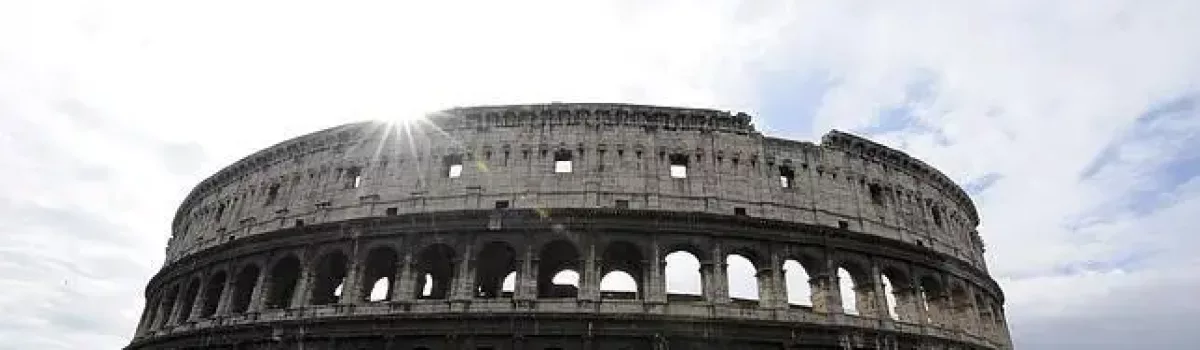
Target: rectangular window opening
{"type": "Point", "coordinates": [353, 177]}
{"type": "Point", "coordinates": [272, 193]}
{"type": "Point", "coordinates": [501, 204]}
{"type": "Point", "coordinates": [679, 165]}
{"type": "Point", "coordinates": [392, 211]}
{"type": "Point", "coordinates": [622, 204]}
{"type": "Point", "coordinates": [787, 177]}
{"type": "Point", "coordinates": [562, 161]}
{"type": "Point", "coordinates": [453, 165]}
{"type": "Point", "coordinates": [739, 211]}
{"type": "Point", "coordinates": [842, 224]}
{"type": "Point", "coordinates": [299, 223]}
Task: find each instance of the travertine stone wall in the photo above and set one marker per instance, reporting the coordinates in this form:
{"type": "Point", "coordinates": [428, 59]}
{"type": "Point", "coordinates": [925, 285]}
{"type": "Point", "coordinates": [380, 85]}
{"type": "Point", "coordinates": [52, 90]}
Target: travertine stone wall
{"type": "Point", "coordinates": [619, 153]}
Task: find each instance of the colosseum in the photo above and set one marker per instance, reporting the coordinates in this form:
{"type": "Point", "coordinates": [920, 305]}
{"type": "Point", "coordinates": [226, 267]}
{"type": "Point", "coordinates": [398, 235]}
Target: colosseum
{"type": "Point", "coordinates": [574, 226]}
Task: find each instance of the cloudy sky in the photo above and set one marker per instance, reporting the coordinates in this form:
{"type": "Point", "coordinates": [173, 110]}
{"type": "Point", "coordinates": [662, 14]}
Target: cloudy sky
{"type": "Point", "coordinates": [1075, 125]}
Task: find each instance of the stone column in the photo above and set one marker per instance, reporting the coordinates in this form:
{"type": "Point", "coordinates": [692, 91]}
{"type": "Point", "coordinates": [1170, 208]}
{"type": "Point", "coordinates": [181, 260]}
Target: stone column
{"type": "Point", "coordinates": [177, 305]}
{"type": "Point", "coordinates": [865, 300]}
{"type": "Point", "coordinates": [878, 294]}
{"type": "Point", "coordinates": [199, 300]}
{"type": "Point", "coordinates": [462, 288]}
{"type": "Point", "coordinates": [907, 303]}
{"type": "Point", "coordinates": [525, 288]}
{"type": "Point", "coordinates": [654, 283]}
{"type": "Point", "coordinates": [352, 285]}
{"type": "Point", "coordinates": [826, 296]}
{"type": "Point", "coordinates": [404, 280]}
{"type": "Point", "coordinates": [303, 292]}
{"type": "Point", "coordinates": [258, 293]}
{"type": "Point", "coordinates": [719, 283]}
{"type": "Point", "coordinates": [223, 304]}
{"type": "Point", "coordinates": [589, 281]}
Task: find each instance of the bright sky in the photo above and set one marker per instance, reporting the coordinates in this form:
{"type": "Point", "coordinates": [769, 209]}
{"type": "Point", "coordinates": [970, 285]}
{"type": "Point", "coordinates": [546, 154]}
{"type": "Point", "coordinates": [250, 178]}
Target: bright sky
{"type": "Point", "coordinates": [1073, 124]}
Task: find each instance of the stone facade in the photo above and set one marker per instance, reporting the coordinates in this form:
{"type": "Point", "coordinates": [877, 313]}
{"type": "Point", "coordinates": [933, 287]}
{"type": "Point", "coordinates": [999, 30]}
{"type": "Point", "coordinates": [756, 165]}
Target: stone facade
{"type": "Point", "coordinates": [282, 249]}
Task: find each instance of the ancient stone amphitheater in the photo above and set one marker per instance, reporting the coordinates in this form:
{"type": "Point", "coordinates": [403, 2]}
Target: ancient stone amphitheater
{"type": "Point", "coordinates": [574, 226]}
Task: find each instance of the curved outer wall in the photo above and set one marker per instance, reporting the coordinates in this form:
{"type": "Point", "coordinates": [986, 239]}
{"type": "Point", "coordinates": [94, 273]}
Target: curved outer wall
{"type": "Point", "coordinates": [843, 203]}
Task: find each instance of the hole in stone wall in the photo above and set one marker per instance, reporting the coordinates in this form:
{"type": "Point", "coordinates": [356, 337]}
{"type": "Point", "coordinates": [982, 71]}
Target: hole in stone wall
{"type": "Point", "coordinates": [741, 275]}
{"type": "Point", "coordinates": [243, 289]}
{"type": "Point", "coordinates": [496, 261]}
{"type": "Point", "coordinates": [682, 274]}
{"type": "Point", "coordinates": [876, 194]}
{"type": "Point", "coordinates": [557, 257]}
{"type": "Point", "coordinates": [435, 268]}
{"type": "Point", "coordinates": [352, 178]}
{"type": "Point", "coordinates": [282, 281]}
{"type": "Point", "coordinates": [787, 177]}
{"type": "Point", "coordinates": [452, 165]}
{"type": "Point", "coordinates": [212, 294]}
{"type": "Point", "coordinates": [796, 278]}
{"type": "Point", "coordinates": [562, 161]}
{"type": "Point", "coordinates": [679, 165]}
{"type": "Point", "coordinates": [377, 275]}
{"type": "Point", "coordinates": [272, 194]}
{"type": "Point", "coordinates": [739, 211]}
{"type": "Point", "coordinates": [501, 204]}
{"type": "Point", "coordinates": [621, 204]}
{"type": "Point", "coordinates": [330, 273]}
{"type": "Point", "coordinates": [391, 211]}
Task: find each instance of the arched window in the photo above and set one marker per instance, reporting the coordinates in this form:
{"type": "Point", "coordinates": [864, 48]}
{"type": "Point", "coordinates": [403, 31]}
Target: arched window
{"type": "Point", "coordinates": [329, 276]}
{"type": "Point", "coordinates": [742, 276]}
{"type": "Point", "coordinates": [622, 269]}
{"type": "Point", "coordinates": [378, 273]}
{"type": "Point", "coordinates": [889, 297]}
{"type": "Point", "coordinates": [682, 276]}
{"type": "Point", "coordinates": [283, 278]}
{"type": "Point", "coordinates": [212, 294]}
{"type": "Point", "coordinates": [189, 299]}
{"type": "Point", "coordinates": [849, 296]}
{"type": "Point", "coordinates": [795, 276]}
{"type": "Point", "coordinates": [435, 272]}
{"type": "Point", "coordinates": [558, 257]}
{"type": "Point", "coordinates": [243, 288]}
{"type": "Point", "coordinates": [496, 262]}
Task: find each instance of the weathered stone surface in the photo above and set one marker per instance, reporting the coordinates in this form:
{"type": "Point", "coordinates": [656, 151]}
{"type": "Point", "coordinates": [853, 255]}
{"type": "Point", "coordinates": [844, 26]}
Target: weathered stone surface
{"type": "Point", "coordinates": [281, 249]}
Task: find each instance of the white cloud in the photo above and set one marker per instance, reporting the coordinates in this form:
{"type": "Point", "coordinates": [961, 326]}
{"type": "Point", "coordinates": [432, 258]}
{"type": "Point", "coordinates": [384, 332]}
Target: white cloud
{"type": "Point", "coordinates": [110, 111]}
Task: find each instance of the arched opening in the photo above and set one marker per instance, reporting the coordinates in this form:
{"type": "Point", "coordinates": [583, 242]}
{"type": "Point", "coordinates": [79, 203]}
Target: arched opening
{"type": "Point", "coordinates": [378, 273]}
{"type": "Point", "coordinates": [282, 283]}
{"type": "Point", "coordinates": [796, 278]}
{"type": "Point", "coordinates": [618, 285]}
{"type": "Point", "coordinates": [931, 299]}
{"type": "Point", "coordinates": [682, 275]}
{"type": "Point", "coordinates": [212, 294]}
{"type": "Point", "coordinates": [743, 278]}
{"type": "Point", "coordinates": [168, 305]}
{"type": "Point", "coordinates": [329, 274]}
{"type": "Point", "coordinates": [889, 297]}
{"type": "Point", "coordinates": [435, 272]}
{"type": "Point", "coordinates": [243, 289]}
{"type": "Point", "coordinates": [558, 257]}
{"type": "Point", "coordinates": [899, 295]}
{"type": "Point", "coordinates": [622, 270]}
{"type": "Point", "coordinates": [849, 295]}
{"type": "Point", "coordinates": [189, 299]}
{"type": "Point", "coordinates": [496, 261]}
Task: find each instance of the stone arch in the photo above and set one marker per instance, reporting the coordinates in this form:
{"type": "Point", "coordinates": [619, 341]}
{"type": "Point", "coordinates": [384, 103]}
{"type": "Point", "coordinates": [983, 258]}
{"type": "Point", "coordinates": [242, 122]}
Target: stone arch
{"type": "Point", "coordinates": [494, 262]}
{"type": "Point", "coordinates": [801, 268]}
{"type": "Point", "coordinates": [855, 286]}
{"type": "Point", "coordinates": [190, 293]}
{"type": "Point", "coordinates": [899, 294]}
{"type": "Point", "coordinates": [380, 267]}
{"type": "Point", "coordinates": [281, 282]}
{"type": "Point", "coordinates": [932, 297]}
{"type": "Point", "coordinates": [243, 288]}
{"type": "Point", "coordinates": [212, 293]}
{"type": "Point", "coordinates": [741, 273]}
{"type": "Point", "coordinates": [682, 275]}
{"type": "Point", "coordinates": [555, 257]}
{"type": "Point", "coordinates": [621, 257]}
{"type": "Point", "coordinates": [328, 277]}
{"type": "Point", "coordinates": [434, 271]}
{"type": "Point", "coordinates": [168, 304]}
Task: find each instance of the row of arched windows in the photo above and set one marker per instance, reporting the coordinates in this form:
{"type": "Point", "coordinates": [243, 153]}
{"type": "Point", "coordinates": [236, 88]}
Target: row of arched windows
{"type": "Point", "coordinates": [559, 271]}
